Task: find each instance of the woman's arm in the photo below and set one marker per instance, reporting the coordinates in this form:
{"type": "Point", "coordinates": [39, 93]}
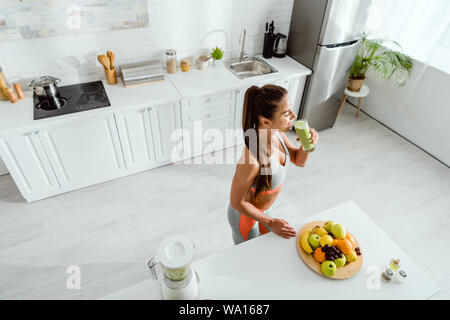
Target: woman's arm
{"type": "Point", "coordinates": [298, 156]}
{"type": "Point", "coordinates": [242, 181]}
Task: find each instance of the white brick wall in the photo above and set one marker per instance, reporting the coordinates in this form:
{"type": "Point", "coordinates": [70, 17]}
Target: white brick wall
{"type": "Point", "coordinates": [189, 26]}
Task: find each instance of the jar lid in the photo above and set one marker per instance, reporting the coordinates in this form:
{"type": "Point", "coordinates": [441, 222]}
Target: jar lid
{"type": "Point", "coordinates": [171, 52]}
{"type": "Point", "coordinates": [175, 251]}
{"type": "Point", "coordinates": [403, 273]}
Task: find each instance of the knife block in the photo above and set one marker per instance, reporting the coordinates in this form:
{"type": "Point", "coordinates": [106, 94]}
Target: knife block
{"type": "Point", "coordinates": [111, 76]}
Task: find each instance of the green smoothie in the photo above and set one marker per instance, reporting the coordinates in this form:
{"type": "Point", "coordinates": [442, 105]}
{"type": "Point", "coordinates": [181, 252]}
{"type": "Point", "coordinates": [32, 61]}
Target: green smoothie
{"type": "Point", "coordinates": [302, 129]}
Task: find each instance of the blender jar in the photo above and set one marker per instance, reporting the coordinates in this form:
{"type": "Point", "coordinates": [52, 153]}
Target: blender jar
{"type": "Point", "coordinates": [174, 255]}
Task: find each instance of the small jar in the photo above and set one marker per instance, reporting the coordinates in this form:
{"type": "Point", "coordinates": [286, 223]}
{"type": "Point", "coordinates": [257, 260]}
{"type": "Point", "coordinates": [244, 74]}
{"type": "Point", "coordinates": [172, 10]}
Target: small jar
{"type": "Point", "coordinates": [388, 274]}
{"type": "Point", "coordinates": [171, 61]}
{"type": "Point", "coordinates": [402, 276]}
{"type": "Point", "coordinates": [185, 65]}
{"type": "Point", "coordinates": [394, 264]}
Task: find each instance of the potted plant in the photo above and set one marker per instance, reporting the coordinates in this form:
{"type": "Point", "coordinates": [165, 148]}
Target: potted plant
{"type": "Point", "coordinates": [385, 62]}
{"type": "Point", "coordinates": [217, 54]}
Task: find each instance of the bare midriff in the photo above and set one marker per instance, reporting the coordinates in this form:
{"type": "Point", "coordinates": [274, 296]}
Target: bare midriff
{"type": "Point", "coordinates": [264, 201]}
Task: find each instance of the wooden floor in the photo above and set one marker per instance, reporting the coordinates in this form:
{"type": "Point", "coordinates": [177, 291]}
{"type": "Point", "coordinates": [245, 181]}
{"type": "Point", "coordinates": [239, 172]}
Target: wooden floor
{"type": "Point", "coordinates": [110, 230]}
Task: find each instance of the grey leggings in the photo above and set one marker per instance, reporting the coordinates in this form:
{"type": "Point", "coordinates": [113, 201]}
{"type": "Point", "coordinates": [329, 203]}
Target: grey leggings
{"type": "Point", "coordinates": [245, 228]}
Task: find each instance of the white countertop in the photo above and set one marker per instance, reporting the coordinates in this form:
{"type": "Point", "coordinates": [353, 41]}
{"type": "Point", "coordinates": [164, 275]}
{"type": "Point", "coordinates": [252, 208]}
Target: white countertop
{"type": "Point", "coordinates": [173, 88]}
{"type": "Point", "coordinates": [214, 79]}
{"type": "Point", "coordinates": [269, 267]}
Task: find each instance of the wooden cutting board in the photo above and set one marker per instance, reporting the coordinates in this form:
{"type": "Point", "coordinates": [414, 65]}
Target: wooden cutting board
{"type": "Point", "coordinates": [345, 272]}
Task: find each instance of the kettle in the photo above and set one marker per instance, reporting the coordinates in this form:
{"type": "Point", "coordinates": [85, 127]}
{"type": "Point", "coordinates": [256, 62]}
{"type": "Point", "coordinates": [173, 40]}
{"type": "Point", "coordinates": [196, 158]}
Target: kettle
{"type": "Point", "coordinates": [280, 45]}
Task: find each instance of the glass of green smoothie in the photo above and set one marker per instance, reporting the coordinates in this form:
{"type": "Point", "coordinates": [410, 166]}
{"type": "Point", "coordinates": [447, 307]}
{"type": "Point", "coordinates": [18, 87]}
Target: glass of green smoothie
{"type": "Point", "coordinates": [304, 135]}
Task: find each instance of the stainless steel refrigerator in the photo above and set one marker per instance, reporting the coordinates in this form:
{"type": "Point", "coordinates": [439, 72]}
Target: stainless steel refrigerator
{"type": "Point", "coordinates": [324, 36]}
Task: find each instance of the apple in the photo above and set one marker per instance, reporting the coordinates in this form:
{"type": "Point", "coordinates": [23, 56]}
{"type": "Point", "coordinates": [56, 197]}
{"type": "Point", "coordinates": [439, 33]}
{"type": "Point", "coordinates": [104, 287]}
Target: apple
{"type": "Point", "coordinates": [314, 240]}
{"type": "Point", "coordinates": [328, 268]}
{"type": "Point", "coordinates": [328, 226]}
{"type": "Point", "coordinates": [338, 231]}
{"type": "Point", "coordinates": [326, 239]}
{"type": "Point", "coordinates": [320, 231]}
{"type": "Point", "coordinates": [351, 257]}
{"type": "Point", "coordinates": [340, 262]}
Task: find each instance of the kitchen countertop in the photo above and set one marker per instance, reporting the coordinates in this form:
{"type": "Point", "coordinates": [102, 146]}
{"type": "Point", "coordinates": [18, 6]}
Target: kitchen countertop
{"type": "Point", "coordinates": [269, 267]}
{"type": "Point", "coordinates": [19, 116]}
{"type": "Point", "coordinates": [214, 79]}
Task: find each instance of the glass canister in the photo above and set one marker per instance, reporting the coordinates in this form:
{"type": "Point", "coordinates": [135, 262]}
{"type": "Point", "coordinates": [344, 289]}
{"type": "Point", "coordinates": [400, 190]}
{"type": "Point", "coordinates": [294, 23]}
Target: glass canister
{"type": "Point", "coordinates": [171, 61]}
{"type": "Point", "coordinates": [3, 85]}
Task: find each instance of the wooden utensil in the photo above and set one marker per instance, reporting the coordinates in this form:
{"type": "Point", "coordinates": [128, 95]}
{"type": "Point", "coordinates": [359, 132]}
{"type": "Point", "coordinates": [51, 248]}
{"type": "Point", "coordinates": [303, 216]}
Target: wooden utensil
{"type": "Point", "coordinates": [104, 60]}
{"type": "Point", "coordinates": [100, 59]}
{"type": "Point", "coordinates": [111, 57]}
{"type": "Point", "coordinates": [344, 272]}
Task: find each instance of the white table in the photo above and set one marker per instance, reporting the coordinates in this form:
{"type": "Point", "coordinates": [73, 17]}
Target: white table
{"type": "Point", "coordinates": [269, 267]}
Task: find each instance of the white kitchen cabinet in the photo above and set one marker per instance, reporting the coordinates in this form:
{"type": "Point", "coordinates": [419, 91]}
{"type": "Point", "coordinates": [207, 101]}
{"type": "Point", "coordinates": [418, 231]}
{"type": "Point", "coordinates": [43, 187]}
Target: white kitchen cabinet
{"type": "Point", "coordinates": [25, 158]}
{"type": "Point", "coordinates": [84, 151]}
{"type": "Point", "coordinates": [136, 138]}
{"type": "Point", "coordinates": [165, 120]}
{"type": "Point", "coordinates": [208, 121]}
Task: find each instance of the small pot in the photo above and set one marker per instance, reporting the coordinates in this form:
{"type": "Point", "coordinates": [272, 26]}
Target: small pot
{"type": "Point", "coordinates": [45, 86]}
{"type": "Point", "coordinates": [355, 85]}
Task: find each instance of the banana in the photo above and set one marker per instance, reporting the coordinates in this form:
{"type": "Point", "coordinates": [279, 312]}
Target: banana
{"type": "Point", "coordinates": [304, 241]}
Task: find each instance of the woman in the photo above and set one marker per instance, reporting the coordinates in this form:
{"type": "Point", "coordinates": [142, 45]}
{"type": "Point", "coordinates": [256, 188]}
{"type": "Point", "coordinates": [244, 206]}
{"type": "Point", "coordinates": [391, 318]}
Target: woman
{"type": "Point", "coordinates": [262, 167]}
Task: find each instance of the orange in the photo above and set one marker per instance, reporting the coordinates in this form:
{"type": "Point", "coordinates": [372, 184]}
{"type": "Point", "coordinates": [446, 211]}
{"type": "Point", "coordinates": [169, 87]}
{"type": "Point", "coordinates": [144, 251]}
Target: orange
{"type": "Point", "coordinates": [345, 246]}
{"type": "Point", "coordinates": [335, 241]}
{"type": "Point", "coordinates": [319, 255]}
{"type": "Point", "coordinates": [350, 238]}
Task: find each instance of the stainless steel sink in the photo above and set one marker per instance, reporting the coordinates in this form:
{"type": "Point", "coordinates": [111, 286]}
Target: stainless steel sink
{"type": "Point", "coordinates": [251, 67]}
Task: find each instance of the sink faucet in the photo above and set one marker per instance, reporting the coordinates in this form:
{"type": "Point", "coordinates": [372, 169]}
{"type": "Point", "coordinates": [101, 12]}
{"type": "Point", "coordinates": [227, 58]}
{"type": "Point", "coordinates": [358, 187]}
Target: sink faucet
{"type": "Point", "coordinates": [243, 55]}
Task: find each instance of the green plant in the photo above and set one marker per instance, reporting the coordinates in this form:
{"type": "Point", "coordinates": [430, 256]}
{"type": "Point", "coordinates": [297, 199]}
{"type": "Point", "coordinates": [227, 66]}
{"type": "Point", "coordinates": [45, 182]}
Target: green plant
{"type": "Point", "coordinates": [216, 53]}
{"type": "Point", "coordinates": [385, 62]}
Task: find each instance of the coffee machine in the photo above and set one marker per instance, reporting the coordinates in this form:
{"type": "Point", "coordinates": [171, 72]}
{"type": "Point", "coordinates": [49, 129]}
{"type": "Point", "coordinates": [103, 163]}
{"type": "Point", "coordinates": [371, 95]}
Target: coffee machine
{"type": "Point", "coordinates": [171, 268]}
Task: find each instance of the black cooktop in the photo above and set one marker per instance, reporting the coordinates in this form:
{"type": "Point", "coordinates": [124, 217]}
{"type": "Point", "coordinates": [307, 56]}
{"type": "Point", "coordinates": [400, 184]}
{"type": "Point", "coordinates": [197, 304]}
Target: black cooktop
{"type": "Point", "coordinates": [71, 99]}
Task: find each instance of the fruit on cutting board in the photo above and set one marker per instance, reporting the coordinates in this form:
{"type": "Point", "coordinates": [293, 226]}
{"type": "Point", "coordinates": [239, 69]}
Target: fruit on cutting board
{"type": "Point", "coordinates": [328, 226]}
{"type": "Point", "coordinates": [328, 268]}
{"type": "Point", "coordinates": [320, 231]}
{"type": "Point", "coordinates": [304, 241]}
{"type": "Point", "coordinates": [345, 246]}
{"type": "Point", "coordinates": [314, 240]}
{"type": "Point", "coordinates": [338, 231]}
{"type": "Point", "coordinates": [350, 238]}
{"type": "Point", "coordinates": [351, 257]}
{"type": "Point", "coordinates": [319, 255]}
{"type": "Point", "coordinates": [326, 239]}
{"type": "Point", "coordinates": [340, 262]}
{"type": "Point", "coordinates": [331, 246]}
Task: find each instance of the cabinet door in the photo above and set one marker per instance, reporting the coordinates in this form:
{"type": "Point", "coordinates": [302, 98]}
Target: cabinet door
{"type": "Point", "coordinates": [165, 120]}
{"type": "Point", "coordinates": [84, 151]}
{"type": "Point", "coordinates": [28, 164]}
{"type": "Point", "coordinates": [136, 138]}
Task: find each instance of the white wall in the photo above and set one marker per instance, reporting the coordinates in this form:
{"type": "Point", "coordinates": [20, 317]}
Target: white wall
{"type": "Point", "coordinates": [187, 26]}
{"type": "Point", "coordinates": [190, 27]}
{"type": "Point", "coordinates": [419, 111]}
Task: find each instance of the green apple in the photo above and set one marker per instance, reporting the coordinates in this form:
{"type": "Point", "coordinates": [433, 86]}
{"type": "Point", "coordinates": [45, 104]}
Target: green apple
{"type": "Point", "coordinates": [314, 240]}
{"type": "Point", "coordinates": [328, 268]}
{"type": "Point", "coordinates": [326, 239]}
{"type": "Point", "coordinates": [338, 231]}
{"type": "Point", "coordinates": [328, 226]}
{"type": "Point", "coordinates": [320, 231]}
{"type": "Point", "coordinates": [340, 262]}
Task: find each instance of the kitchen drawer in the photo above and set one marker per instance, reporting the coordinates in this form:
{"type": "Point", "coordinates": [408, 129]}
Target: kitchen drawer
{"type": "Point", "coordinates": [210, 112]}
{"type": "Point", "coordinates": [213, 98]}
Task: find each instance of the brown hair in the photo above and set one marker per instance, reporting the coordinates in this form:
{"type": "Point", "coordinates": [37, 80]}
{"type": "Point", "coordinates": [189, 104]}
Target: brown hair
{"type": "Point", "coordinates": [260, 102]}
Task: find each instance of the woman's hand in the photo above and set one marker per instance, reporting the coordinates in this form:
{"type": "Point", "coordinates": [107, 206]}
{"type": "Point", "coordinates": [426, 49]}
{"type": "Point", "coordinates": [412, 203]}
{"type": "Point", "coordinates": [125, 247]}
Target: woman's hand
{"type": "Point", "coordinates": [282, 228]}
